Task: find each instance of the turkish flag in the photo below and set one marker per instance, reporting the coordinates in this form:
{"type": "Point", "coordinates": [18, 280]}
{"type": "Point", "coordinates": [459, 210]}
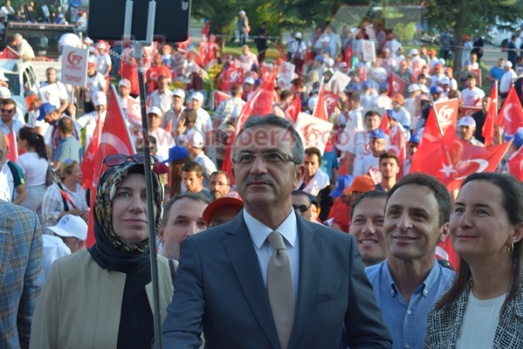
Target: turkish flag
{"type": "Point", "coordinates": [231, 76]}
{"type": "Point", "coordinates": [111, 137]}
{"type": "Point", "coordinates": [134, 112]}
{"type": "Point", "coordinates": [9, 53]}
{"type": "Point", "coordinates": [385, 126]}
{"type": "Point", "coordinates": [295, 108]}
{"type": "Point", "coordinates": [398, 145]}
{"type": "Point", "coordinates": [397, 85]}
{"type": "Point", "coordinates": [514, 165]}
{"type": "Point", "coordinates": [446, 113]}
{"type": "Point", "coordinates": [431, 131]}
{"type": "Point", "coordinates": [450, 159]}
{"type": "Point", "coordinates": [511, 114]}
{"type": "Point", "coordinates": [326, 104]}
{"type": "Point", "coordinates": [12, 154]}
{"type": "Point", "coordinates": [260, 104]}
{"type": "Point", "coordinates": [488, 127]}
{"type": "Point", "coordinates": [468, 110]}
{"type": "Point", "coordinates": [220, 97]}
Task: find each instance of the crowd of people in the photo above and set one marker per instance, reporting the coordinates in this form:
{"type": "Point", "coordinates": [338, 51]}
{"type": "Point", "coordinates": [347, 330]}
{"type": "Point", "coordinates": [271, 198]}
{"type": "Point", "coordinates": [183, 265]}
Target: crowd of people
{"type": "Point", "coordinates": [292, 246]}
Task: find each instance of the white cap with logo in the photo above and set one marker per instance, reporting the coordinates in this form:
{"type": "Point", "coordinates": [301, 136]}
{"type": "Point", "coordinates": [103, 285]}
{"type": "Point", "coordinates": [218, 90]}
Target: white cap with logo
{"type": "Point", "coordinates": [70, 225]}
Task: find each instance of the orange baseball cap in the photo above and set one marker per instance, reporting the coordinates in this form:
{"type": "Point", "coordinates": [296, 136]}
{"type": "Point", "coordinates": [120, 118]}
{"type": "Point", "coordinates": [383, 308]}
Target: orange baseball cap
{"type": "Point", "coordinates": [232, 198]}
{"type": "Point", "coordinates": [361, 184]}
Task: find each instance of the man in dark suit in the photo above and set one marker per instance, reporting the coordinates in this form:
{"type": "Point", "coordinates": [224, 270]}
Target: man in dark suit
{"type": "Point", "coordinates": [223, 284]}
{"type": "Point", "coordinates": [21, 277]}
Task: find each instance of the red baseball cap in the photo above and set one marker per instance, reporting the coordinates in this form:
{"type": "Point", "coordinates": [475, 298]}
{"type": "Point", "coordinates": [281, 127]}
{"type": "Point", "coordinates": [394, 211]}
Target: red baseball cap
{"type": "Point", "coordinates": [232, 198]}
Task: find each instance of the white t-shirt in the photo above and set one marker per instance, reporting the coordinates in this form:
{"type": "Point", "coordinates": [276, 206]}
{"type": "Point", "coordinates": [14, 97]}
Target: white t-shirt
{"type": "Point", "coordinates": [102, 62]}
{"type": "Point", "coordinates": [54, 93]}
{"type": "Point", "coordinates": [507, 80]}
{"type": "Point", "coordinates": [5, 193]}
{"type": "Point", "coordinates": [164, 141]}
{"type": "Point", "coordinates": [33, 167]}
{"type": "Point", "coordinates": [472, 98]}
{"type": "Point", "coordinates": [479, 324]}
{"type": "Point", "coordinates": [208, 167]}
{"type": "Point", "coordinates": [203, 121]}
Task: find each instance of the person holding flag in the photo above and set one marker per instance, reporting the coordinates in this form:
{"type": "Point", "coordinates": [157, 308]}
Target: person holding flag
{"type": "Point", "coordinates": [109, 283]}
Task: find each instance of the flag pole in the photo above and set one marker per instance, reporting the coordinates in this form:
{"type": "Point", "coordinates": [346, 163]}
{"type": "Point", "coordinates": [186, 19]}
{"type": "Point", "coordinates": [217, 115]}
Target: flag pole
{"type": "Point", "coordinates": [138, 48]}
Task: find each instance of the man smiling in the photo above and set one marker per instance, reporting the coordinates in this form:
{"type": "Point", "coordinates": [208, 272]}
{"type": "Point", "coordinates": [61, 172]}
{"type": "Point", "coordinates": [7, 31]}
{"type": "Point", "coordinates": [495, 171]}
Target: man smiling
{"type": "Point", "coordinates": [409, 281]}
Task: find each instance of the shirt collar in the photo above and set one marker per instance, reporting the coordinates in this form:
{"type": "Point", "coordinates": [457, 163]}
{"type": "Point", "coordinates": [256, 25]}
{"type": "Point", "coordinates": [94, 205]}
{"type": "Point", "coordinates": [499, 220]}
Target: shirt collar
{"type": "Point", "coordinates": [259, 231]}
{"type": "Point", "coordinates": [424, 288]}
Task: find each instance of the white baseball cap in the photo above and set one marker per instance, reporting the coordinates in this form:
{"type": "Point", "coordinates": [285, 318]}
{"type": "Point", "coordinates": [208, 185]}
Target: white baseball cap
{"type": "Point", "coordinates": [467, 121]}
{"type": "Point", "coordinates": [155, 110]}
{"type": "Point", "coordinates": [70, 225]}
{"type": "Point", "coordinates": [4, 93]}
{"type": "Point", "coordinates": [99, 98]}
{"type": "Point", "coordinates": [196, 139]}
{"type": "Point", "coordinates": [179, 93]}
{"type": "Point", "coordinates": [414, 52]}
{"type": "Point", "coordinates": [125, 83]}
{"type": "Point", "coordinates": [414, 87]}
{"type": "Point", "coordinates": [444, 80]}
{"type": "Point", "coordinates": [198, 96]}
{"type": "Point", "coordinates": [249, 80]}
{"type": "Point", "coordinates": [298, 35]}
{"type": "Point", "coordinates": [507, 64]}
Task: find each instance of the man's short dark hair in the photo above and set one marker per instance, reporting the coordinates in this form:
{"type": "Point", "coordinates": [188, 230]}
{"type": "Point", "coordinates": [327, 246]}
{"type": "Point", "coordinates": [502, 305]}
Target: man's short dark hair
{"type": "Point", "coordinates": [371, 113]}
{"type": "Point", "coordinates": [236, 90]}
{"type": "Point", "coordinates": [198, 197]}
{"type": "Point", "coordinates": [313, 151]}
{"type": "Point", "coordinates": [273, 120]}
{"type": "Point", "coordinates": [192, 166]}
{"type": "Point", "coordinates": [8, 101]}
{"type": "Point", "coordinates": [389, 155]}
{"type": "Point", "coordinates": [190, 115]}
{"type": "Point", "coordinates": [215, 173]}
{"type": "Point", "coordinates": [375, 194]}
{"type": "Point", "coordinates": [439, 190]}
{"type": "Point", "coordinates": [65, 125]}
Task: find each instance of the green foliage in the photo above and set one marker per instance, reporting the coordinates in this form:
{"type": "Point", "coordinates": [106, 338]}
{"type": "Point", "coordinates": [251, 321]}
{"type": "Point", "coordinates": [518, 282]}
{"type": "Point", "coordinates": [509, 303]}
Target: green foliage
{"type": "Point", "coordinates": [405, 31]}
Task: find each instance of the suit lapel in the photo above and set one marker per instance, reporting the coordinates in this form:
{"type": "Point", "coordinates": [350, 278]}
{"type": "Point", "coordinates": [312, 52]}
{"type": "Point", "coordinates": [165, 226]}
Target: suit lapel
{"type": "Point", "coordinates": [311, 249]}
{"type": "Point", "coordinates": [239, 247]}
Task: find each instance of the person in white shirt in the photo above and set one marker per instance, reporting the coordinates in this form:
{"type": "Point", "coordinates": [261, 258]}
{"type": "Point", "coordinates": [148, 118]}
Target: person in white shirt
{"type": "Point", "coordinates": [507, 80]}
{"type": "Point", "coordinates": [164, 139]}
{"type": "Point", "coordinates": [195, 145]}
{"type": "Point", "coordinates": [314, 179]}
{"type": "Point", "coordinates": [399, 112]}
{"type": "Point", "coordinates": [162, 97]}
{"type": "Point", "coordinates": [370, 163]}
{"type": "Point", "coordinates": [103, 60]}
{"type": "Point", "coordinates": [89, 120]}
{"type": "Point", "coordinates": [203, 119]}
{"type": "Point", "coordinates": [172, 117]}
{"type": "Point", "coordinates": [472, 96]}
{"type": "Point", "coordinates": [54, 91]}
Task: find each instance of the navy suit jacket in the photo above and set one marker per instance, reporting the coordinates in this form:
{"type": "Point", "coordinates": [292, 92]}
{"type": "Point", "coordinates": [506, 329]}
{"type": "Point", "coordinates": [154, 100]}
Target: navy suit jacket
{"type": "Point", "coordinates": [219, 290]}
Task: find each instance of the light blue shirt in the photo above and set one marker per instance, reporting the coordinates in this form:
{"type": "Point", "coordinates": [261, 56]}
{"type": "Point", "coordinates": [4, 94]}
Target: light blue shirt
{"type": "Point", "coordinates": [259, 233]}
{"type": "Point", "coordinates": [407, 321]}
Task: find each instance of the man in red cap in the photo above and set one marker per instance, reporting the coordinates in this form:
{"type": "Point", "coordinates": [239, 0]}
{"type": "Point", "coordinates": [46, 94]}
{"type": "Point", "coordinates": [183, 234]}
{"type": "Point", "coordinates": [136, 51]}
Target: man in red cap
{"type": "Point", "coordinates": [223, 210]}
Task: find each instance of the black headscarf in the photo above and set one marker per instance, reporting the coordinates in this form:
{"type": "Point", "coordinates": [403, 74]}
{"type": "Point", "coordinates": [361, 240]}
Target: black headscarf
{"type": "Point", "coordinates": [110, 251]}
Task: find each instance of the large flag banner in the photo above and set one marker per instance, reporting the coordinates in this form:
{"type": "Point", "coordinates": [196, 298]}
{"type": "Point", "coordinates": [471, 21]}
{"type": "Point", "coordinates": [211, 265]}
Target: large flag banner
{"type": "Point", "coordinates": [294, 109]}
{"type": "Point", "coordinates": [490, 119]}
{"type": "Point", "coordinates": [450, 159]}
{"type": "Point", "coordinates": [220, 97]}
{"type": "Point", "coordinates": [134, 112]}
{"type": "Point", "coordinates": [447, 114]}
{"type": "Point", "coordinates": [511, 114]}
{"type": "Point", "coordinates": [431, 131]}
{"type": "Point", "coordinates": [397, 85]}
{"type": "Point", "coordinates": [338, 82]}
{"type": "Point", "coordinates": [314, 132]}
{"type": "Point", "coordinates": [114, 138]}
{"type": "Point", "coordinates": [231, 76]}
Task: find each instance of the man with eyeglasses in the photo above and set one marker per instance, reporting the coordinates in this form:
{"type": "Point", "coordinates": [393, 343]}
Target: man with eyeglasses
{"type": "Point", "coordinates": [269, 278]}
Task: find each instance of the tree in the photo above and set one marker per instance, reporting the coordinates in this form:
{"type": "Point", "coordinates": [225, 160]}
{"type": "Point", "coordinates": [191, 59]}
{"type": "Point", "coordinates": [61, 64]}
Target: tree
{"type": "Point", "coordinates": [471, 17]}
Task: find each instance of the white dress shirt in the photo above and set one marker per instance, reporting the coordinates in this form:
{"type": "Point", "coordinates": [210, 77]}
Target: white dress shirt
{"type": "Point", "coordinates": [259, 233]}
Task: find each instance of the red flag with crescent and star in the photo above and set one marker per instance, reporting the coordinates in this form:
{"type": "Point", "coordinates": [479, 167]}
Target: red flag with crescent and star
{"type": "Point", "coordinates": [450, 159]}
{"type": "Point", "coordinates": [326, 104]}
{"type": "Point", "coordinates": [510, 116]}
{"type": "Point", "coordinates": [515, 164]}
{"type": "Point", "coordinates": [446, 114]}
{"type": "Point", "coordinates": [111, 137]}
{"type": "Point", "coordinates": [397, 85]}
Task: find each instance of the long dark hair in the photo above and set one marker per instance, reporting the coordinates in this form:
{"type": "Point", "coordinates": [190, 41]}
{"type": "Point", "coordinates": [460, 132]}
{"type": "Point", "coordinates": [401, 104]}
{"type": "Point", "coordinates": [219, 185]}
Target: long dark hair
{"type": "Point", "coordinates": [34, 140]}
{"type": "Point", "coordinates": [512, 201]}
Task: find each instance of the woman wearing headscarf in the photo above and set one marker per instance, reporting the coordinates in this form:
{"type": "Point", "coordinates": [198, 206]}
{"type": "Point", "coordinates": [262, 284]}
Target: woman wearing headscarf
{"type": "Point", "coordinates": [102, 297]}
{"type": "Point", "coordinates": [484, 306]}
